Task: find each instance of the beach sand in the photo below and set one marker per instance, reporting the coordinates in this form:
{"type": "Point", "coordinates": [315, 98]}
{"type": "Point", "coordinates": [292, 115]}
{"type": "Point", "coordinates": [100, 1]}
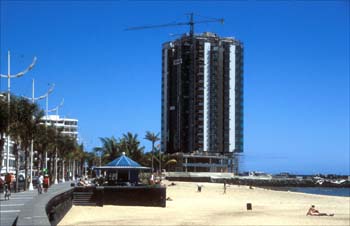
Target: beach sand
{"type": "Point", "coordinates": [212, 207]}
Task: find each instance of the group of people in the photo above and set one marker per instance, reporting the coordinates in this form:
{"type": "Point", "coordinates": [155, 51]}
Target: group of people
{"type": "Point", "coordinates": [83, 182]}
{"type": "Point", "coordinates": [43, 183]}
{"type": "Point", "coordinates": [155, 179]}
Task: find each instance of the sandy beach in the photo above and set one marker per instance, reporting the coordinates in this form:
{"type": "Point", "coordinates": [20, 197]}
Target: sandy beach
{"type": "Point", "coordinates": [212, 207]}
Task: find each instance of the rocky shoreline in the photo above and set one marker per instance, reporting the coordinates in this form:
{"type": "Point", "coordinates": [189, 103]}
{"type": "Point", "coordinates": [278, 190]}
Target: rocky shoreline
{"type": "Point", "coordinates": [268, 182]}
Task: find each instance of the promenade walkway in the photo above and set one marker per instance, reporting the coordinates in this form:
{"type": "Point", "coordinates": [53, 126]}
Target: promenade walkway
{"type": "Point", "coordinates": [9, 209]}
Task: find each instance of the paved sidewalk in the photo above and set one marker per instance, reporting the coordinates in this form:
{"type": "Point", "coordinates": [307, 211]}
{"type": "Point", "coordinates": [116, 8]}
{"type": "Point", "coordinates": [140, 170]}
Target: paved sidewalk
{"type": "Point", "coordinates": [9, 209]}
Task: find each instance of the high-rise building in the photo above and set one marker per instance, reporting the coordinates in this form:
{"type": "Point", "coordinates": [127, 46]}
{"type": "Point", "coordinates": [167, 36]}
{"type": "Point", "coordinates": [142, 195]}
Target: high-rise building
{"type": "Point", "coordinates": [202, 95]}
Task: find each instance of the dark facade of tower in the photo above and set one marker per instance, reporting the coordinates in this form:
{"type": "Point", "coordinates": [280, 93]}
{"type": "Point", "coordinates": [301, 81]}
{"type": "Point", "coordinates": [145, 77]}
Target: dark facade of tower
{"type": "Point", "coordinates": [202, 95]}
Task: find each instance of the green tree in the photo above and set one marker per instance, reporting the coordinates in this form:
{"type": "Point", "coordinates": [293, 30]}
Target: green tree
{"type": "Point", "coordinates": [65, 146]}
{"type": "Point", "coordinates": [24, 119]}
{"type": "Point", "coordinates": [153, 138]}
{"type": "Point", "coordinates": [131, 146]}
{"type": "Point", "coordinates": [109, 150]}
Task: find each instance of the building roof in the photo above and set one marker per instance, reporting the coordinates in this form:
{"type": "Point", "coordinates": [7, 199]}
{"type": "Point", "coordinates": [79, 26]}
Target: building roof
{"type": "Point", "coordinates": [123, 162]}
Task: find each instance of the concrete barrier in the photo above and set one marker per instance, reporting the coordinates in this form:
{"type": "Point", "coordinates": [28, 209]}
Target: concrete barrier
{"type": "Point", "coordinates": [126, 195]}
{"type": "Point", "coordinates": [134, 196]}
{"type": "Point", "coordinates": [46, 209]}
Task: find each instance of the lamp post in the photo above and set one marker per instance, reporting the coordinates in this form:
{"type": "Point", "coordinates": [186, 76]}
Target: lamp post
{"type": "Point", "coordinates": [47, 117]}
{"type": "Point", "coordinates": [56, 109]}
{"type": "Point", "coordinates": [9, 76]}
{"type": "Point", "coordinates": [33, 99]}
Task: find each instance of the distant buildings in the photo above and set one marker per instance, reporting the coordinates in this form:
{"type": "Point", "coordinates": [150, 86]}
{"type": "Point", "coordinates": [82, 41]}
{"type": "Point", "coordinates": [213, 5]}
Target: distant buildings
{"type": "Point", "coordinates": [11, 157]}
{"type": "Point", "coordinates": [202, 101]}
{"type": "Point", "coordinates": [69, 126]}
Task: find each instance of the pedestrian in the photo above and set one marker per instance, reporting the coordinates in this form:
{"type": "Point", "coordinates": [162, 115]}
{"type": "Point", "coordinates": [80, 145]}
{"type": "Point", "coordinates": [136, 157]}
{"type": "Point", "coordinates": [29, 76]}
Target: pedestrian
{"type": "Point", "coordinates": [7, 192]}
{"type": "Point", "coordinates": [199, 187]}
{"type": "Point", "coordinates": [46, 182]}
{"type": "Point", "coordinates": [40, 183]}
{"type": "Point", "coordinates": [152, 179]}
{"type": "Point", "coordinates": [8, 180]}
{"type": "Point", "coordinates": [224, 187]}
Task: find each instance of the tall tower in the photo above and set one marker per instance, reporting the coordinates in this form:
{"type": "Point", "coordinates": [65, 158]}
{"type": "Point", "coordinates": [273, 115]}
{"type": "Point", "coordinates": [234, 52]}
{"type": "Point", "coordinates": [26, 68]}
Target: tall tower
{"type": "Point", "coordinates": [202, 95]}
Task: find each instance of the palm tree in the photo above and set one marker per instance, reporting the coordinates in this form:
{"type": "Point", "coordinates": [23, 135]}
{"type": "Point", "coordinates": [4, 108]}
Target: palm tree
{"type": "Point", "coordinates": [41, 143]}
{"type": "Point", "coordinates": [32, 116]}
{"type": "Point", "coordinates": [98, 153]}
{"type": "Point", "coordinates": [131, 146]}
{"type": "Point", "coordinates": [23, 120]}
{"type": "Point", "coordinates": [153, 138]}
{"type": "Point", "coordinates": [65, 146]}
{"type": "Point", "coordinates": [109, 150]}
{"type": "Point", "coordinates": [76, 155]}
{"type": "Point", "coordinates": [51, 136]}
{"type": "Point", "coordinates": [79, 159]}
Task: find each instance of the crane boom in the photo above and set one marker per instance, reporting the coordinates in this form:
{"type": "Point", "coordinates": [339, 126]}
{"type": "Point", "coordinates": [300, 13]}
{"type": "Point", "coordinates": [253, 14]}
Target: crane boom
{"type": "Point", "coordinates": [191, 23]}
{"type": "Point", "coordinates": [156, 26]}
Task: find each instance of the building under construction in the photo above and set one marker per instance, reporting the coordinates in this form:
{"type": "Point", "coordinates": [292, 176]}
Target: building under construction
{"type": "Point", "coordinates": [202, 101]}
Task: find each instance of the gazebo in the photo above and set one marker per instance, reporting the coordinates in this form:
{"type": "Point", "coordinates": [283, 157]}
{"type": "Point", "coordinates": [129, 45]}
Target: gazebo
{"type": "Point", "coordinates": [122, 170]}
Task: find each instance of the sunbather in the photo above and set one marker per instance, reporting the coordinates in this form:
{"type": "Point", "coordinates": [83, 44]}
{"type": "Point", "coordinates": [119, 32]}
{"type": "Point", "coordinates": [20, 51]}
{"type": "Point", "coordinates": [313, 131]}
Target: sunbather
{"type": "Point", "coordinates": [314, 212]}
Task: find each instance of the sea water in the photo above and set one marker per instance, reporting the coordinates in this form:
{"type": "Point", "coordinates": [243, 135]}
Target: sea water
{"type": "Point", "coordinates": [321, 191]}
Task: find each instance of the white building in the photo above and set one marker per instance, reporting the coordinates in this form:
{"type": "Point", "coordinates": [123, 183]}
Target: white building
{"type": "Point", "coordinates": [12, 159]}
{"type": "Point", "coordinates": [69, 126]}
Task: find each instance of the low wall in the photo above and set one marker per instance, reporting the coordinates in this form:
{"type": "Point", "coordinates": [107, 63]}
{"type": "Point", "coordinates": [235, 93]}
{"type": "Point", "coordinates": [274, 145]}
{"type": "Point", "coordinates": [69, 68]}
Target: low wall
{"type": "Point", "coordinates": [57, 207]}
{"type": "Point", "coordinates": [134, 196]}
{"type": "Point", "coordinates": [190, 179]}
{"type": "Point", "coordinates": [46, 209]}
{"type": "Point", "coordinates": [126, 195]}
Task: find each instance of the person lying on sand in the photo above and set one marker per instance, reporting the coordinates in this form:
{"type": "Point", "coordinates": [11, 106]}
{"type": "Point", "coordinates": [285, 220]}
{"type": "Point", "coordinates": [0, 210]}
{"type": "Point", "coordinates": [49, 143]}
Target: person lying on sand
{"type": "Point", "coordinates": [314, 212]}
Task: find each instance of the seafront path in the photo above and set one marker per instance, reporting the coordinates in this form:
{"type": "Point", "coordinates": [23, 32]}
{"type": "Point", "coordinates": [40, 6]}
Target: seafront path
{"type": "Point", "coordinates": [10, 209]}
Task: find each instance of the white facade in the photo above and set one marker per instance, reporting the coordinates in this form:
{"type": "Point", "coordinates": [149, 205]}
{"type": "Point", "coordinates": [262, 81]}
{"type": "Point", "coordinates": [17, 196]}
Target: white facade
{"type": "Point", "coordinates": [12, 166]}
{"type": "Point", "coordinates": [206, 96]}
{"type": "Point", "coordinates": [69, 126]}
{"type": "Point", "coordinates": [232, 113]}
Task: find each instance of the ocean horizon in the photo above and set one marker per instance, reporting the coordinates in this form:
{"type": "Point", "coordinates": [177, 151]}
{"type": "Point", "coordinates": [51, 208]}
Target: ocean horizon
{"type": "Point", "coordinates": [343, 192]}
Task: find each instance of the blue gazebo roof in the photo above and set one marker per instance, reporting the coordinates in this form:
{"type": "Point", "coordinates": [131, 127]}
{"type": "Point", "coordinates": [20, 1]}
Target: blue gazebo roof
{"type": "Point", "coordinates": [123, 162]}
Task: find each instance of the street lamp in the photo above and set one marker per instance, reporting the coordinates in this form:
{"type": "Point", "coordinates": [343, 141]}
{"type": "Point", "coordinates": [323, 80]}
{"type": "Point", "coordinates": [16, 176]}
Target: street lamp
{"type": "Point", "coordinates": [56, 109]}
{"type": "Point", "coordinates": [47, 117]}
{"type": "Point", "coordinates": [33, 99]}
{"type": "Point", "coordinates": [9, 76]}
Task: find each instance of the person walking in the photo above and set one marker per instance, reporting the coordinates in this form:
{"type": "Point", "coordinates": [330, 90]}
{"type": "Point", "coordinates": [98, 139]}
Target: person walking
{"type": "Point", "coordinates": [46, 183]}
{"type": "Point", "coordinates": [7, 187]}
{"type": "Point", "coordinates": [225, 187]}
{"type": "Point", "coordinates": [40, 182]}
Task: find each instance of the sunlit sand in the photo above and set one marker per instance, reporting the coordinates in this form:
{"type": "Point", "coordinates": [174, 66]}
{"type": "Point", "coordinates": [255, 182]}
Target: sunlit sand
{"type": "Point", "coordinates": [212, 207]}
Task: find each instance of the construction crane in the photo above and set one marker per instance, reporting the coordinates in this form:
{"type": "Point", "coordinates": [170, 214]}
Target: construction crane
{"type": "Point", "coordinates": [191, 23]}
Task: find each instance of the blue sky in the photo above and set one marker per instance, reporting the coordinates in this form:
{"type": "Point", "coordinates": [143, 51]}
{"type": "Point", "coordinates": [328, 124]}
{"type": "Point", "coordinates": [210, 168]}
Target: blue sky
{"type": "Point", "coordinates": [296, 68]}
